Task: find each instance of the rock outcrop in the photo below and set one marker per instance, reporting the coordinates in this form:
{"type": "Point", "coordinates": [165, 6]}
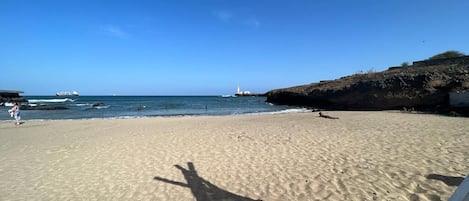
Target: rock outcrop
{"type": "Point", "coordinates": [10, 96]}
{"type": "Point", "coordinates": [44, 107]}
{"type": "Point", "coordinates": [426, 87]}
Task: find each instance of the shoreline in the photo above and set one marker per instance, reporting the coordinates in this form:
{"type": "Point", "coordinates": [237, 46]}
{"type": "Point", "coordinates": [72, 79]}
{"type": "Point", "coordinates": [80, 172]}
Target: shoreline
{"type": "Point", "coordinates": [293, 156]}
{"type": "Point", "coordinates": [286, 111]}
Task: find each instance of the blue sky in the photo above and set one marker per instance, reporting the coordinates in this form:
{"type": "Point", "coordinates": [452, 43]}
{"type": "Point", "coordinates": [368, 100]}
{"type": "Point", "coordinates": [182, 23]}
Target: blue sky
{"type": "Point", "coordinates": [202, 47]}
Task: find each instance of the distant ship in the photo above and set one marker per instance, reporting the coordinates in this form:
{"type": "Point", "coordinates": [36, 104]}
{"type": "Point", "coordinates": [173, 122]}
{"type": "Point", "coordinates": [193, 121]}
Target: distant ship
{"type": "Point", "coordinates": [242, 93]}
{"type": "Point", "coordinates": [67, 93]}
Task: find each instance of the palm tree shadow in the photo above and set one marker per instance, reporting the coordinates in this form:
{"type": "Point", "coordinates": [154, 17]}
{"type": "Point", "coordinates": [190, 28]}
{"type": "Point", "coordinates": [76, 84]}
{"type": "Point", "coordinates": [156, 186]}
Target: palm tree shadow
{"type": "Point", "coordinates": [202, 189]}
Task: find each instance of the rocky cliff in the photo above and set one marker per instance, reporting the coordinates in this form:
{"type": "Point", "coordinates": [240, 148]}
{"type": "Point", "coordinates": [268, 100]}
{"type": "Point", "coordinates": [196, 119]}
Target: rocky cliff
{"type": "Point", "coordinates": [426, 87]}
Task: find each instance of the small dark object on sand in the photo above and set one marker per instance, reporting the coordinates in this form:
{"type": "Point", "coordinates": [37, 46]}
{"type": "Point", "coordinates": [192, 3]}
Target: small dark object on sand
{"type": "Point", "coordinates": [327, 116]}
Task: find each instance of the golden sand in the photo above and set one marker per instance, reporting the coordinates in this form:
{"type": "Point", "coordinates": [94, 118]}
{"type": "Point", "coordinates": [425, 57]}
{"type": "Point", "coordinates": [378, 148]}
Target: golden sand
{"type": "Point", "coordinates": [360, 156]}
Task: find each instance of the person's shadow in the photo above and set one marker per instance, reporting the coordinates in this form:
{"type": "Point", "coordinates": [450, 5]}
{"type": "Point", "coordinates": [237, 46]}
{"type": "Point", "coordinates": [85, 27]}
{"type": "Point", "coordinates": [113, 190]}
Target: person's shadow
{"type": "Point", "coordinates": [202, 189]}
{"type": "Point", "coordinates": [448, 180]}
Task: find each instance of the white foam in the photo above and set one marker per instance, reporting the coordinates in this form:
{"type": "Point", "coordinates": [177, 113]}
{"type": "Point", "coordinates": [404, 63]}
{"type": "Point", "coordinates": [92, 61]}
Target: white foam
{"type": "Point", "coordinates": [57, 100]}
{"type": "Point", "coordinates": [81, 104]}
{"type": "Point", "coordinates": [101, 107]}
{"type": "Point", "coordinates": [286, 111]}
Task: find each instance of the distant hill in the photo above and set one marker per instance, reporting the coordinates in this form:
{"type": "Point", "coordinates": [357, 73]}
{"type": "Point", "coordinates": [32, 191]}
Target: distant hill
{"type": "Point", "coordinates": [426, 85]}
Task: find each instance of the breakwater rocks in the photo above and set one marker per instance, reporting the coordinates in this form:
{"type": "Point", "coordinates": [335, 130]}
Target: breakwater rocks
{"type": "Point", "coordinates": [427, 88]}
{"type": "Point", "coordinates": [43, 107]}
{"type": "Point", "coordinates": [11, 96]}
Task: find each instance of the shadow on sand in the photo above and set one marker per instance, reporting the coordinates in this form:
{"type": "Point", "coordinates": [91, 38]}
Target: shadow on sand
{"type": "Point", "coordinates": [448, 180]}
{"type": "Point", "coordinates": [202, 189]}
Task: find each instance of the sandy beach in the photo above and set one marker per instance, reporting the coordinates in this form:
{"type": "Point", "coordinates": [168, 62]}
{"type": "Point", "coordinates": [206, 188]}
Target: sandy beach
{"type": "Point", "coordinates": [360, 156]}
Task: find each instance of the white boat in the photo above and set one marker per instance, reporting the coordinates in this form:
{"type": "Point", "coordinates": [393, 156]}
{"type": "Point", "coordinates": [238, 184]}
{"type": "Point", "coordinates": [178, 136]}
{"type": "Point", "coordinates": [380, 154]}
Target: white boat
{"type": "Point", "coordinates": [67, 93]}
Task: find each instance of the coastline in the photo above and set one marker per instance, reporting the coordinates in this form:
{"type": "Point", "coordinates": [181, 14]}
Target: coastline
{"type": "Point", "coordinates": [284, 111]}
{"type": "Point", "coordinates": [98, 107]}
{"type": "Point", "coordinates": [292, 156]}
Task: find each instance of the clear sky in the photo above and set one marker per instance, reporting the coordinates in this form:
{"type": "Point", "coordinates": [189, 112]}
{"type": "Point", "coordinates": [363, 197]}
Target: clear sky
{"type": "Point", "coordinates": [203, 47]}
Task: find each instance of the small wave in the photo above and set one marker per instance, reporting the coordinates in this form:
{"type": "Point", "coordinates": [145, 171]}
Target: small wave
{"type": "Point", "coordinates": [81, 104]}
{"type": "Point", "coordinates": [57, 100]}
{"type": "Point", "coordinates": [101, 107]}
{"type": "Point", "coordinates": [296, 110]}
{"type": "Point", "coordinates": [286, 111]}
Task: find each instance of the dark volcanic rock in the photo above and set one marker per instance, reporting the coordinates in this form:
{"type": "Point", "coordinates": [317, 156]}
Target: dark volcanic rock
{"type": "Point", "coordinates": [423, 88]}
{"type": "Point", "coordinates": [43, 107]}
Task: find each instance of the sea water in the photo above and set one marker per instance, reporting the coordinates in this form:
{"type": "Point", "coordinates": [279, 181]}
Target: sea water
{"type": "Point", "coordinates": [91, 107]}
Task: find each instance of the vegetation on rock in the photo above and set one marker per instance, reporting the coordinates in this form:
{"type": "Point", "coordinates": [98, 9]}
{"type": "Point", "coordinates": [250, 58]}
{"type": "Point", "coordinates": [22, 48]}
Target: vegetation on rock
{"type": "Point", "coordinates": [447, 55]}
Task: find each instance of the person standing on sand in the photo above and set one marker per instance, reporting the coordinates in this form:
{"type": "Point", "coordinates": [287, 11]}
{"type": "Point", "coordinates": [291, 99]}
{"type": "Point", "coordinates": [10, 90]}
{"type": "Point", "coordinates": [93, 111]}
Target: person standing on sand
{"type": "Point", "coordinates": [16, 111]}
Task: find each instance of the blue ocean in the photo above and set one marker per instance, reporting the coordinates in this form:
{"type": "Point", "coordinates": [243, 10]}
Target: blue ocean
{"type": "Point", "coordinates": [98, 107]}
